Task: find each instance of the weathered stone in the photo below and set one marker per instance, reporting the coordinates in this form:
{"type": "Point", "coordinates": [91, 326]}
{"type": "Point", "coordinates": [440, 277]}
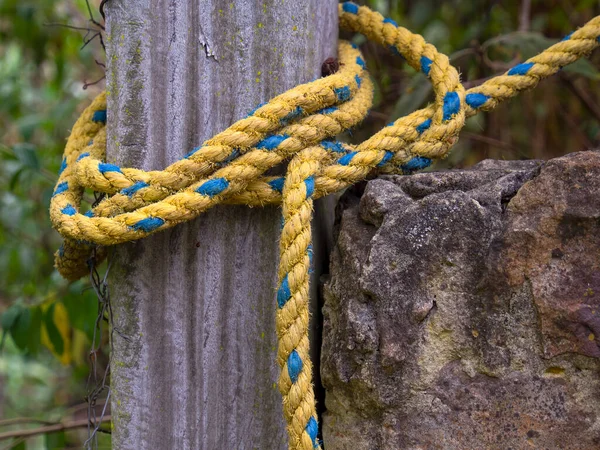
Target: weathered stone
{"type": "Point", "coordinates": [463, 310]}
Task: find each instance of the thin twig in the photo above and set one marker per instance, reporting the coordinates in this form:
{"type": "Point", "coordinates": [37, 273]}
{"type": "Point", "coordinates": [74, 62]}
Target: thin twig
{"type": "Point", "coordinates": [86, 41]}
{"type": "Point", "coordinates": [491, 141]}
{"type": "Point", "coordinates": [81, 406]}
{"type": "Point", "coordinates": [92, 19]}
{"type": "Point", "coordinates": [583, 95]}
{"type": "Point", "coordinates": [65, 25]}
{"type": "Point", "coordinates": [524, 16]}
{"type": "Point", "coordinates": [87, 85]}
{"type": "Point", "coordinates": [54, 428]}
{"type": "Point", "coordinates": [101, 288]}
{"type": "Point", "coordinates": [464, 52]}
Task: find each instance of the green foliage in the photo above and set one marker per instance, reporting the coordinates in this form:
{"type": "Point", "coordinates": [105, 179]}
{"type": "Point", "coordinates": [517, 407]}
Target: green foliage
{"type": "Point", "coordinates": [41, 78]}
{"type": "Point", "coordinates": [55, 440]}
{"type": "Point", "coordinates": [46, 323]}
{"type": "Point", "coordinates": [483, 39]}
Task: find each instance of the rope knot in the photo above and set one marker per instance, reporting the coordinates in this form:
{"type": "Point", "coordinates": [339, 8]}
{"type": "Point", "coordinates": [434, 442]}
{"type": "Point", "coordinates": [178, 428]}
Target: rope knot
{"type": "Point", "coordinates": [299, 125]}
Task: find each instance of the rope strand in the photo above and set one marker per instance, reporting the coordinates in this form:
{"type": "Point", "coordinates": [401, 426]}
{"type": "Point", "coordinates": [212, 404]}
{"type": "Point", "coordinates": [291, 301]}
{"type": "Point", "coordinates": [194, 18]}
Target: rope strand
{"type": "Point", "coordinates": [299, 125]}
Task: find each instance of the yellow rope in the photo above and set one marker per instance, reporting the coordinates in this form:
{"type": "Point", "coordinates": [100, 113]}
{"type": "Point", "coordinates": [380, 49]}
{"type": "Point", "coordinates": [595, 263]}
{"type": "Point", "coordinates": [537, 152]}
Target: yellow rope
{"type": "Point", "coordinates": [297, 125]}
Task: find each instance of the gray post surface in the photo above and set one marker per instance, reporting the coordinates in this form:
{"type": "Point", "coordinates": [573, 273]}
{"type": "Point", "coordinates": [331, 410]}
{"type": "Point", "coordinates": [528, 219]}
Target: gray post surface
{"type": "Point", "coordinates": [197, 303]}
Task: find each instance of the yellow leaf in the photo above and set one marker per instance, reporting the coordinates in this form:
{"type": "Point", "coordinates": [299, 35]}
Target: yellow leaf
{"type": "Point", "coordinates": [61, 321]}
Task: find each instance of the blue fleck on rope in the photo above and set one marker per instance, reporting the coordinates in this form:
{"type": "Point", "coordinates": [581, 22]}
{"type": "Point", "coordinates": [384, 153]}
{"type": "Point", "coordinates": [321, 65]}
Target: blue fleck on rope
{"type": "Point", "coordinates": [426, 65]}
{"type": "Point", "coordinates": [350, 7]}
{"type": "Point", "coordinates": [343, 93]}
{"type": "Point", "coordinates": [271, 142]}
{"type": "Point", "coordinates": [191, 153]}
{"type": "Point", "coordinates": [63, 166]}
{"type": "Point", "coordinates": [294, 365]}
{"type": "Point", "coordinates": [62, 187]}
{"type": "Point", "coordinates": [107, 167]}
{"type": "Point", "coordinates": [312, 428]}
{"type": "Point", "coordinates": [148, 224]}
{"type": "Point", "coordinates": [416, 163]}
{"type": "Point", "coordinates": [277, 184]}
{"type": "Point", "coordinates": [345, 160]}
{"type": "Point", "coordinates": [476, 100]}
{"type": "Point", "coordinates": [213, 187]}
{"type": "Point", "coordinates": [99, 116]}
{"type": "Point", "coordinates": [424, 126]}
{"type": "Point", "coordinates": [333, 146]}
{"type": "Point", "coordinates": [451, 105]}
{"type": "Point", "coordinates": [69, 210]}
{"type": "Point", "coordinates": [297, 112]}
{"type": "Point", "coordinates": [310, 186]}
{"type": "Point", "coordinates": [521, 69]}
{"type": "Point", "coordinates": [129, 191]}
{"type": "Point", "coordinates": [386, 157]}
{"type": "Point", "coordinates": [328, 110]}
{"type": "Point", "coordinates": [283, 293]}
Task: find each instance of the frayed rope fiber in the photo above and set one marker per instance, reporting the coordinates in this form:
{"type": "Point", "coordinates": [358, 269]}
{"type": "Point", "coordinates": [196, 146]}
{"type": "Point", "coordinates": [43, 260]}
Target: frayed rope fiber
{"type": "Point", "coordinates": [299, 125]}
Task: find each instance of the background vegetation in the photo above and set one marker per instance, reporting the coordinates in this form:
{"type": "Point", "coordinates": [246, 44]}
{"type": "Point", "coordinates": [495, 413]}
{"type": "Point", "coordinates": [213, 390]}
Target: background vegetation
{"type": "Point", "coordinates": [48, 324]}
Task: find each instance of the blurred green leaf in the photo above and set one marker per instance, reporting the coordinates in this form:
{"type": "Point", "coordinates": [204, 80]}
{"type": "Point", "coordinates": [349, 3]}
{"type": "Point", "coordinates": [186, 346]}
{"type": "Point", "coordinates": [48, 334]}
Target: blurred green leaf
{"type": "Point", "coordinates": [26, 328]}
{"type": "Point", "coordinates": [520, 44]}
{"type": "Point", "coordinates": [27, 155]}
{"type": "Point", "coordinates": [15, 178]}
{"type": "Point", "coordinates": [82, 308]}
{"type": "Point", "coordinates": [34, 341]}
{"type": "Point", "coordinates": [414, 97]}
{"type": "Point", "coordinates": [585, 68]}
{"type": "Point", "coordinates": [19, 330]}
{"type": "Point", "coordinates": [53, 334]}
{"type": "Point", "coordinates": [19, 446]}
{"type": "Point", "coordinates": [55, 441]}
{"type": "Point", "coordinates": [27, 125]}
{"type": "Point", "coordinates": [8, 319]}
{"type": "Point", "coordinates": [10, 316]}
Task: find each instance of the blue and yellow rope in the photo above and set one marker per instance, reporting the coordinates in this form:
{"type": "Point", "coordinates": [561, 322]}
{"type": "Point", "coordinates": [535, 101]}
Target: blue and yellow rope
{"type": "Point", "coordinates": [299, 125]}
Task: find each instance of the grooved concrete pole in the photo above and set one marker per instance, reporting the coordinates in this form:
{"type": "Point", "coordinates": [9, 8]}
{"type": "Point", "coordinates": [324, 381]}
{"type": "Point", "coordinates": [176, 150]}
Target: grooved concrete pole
{"type": "Point", "coordinates": [197, 303]}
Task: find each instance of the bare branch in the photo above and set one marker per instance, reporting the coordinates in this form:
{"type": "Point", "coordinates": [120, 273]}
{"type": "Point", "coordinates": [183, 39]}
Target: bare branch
{"type": "Point", "coordinates": [87, 41]}
{"type": "Point", "coordinates": [54, 428]}
{"type": "Point", "coordinates": [65, 25]}
{"type": "Point", "coordinates": [92, 19]}
{"type": "Point", "coordinates": [491, 141]}
{"type": "Point", "coordinates": [87, 85]}
{"type": "Point", "coordinates": [20, 420]}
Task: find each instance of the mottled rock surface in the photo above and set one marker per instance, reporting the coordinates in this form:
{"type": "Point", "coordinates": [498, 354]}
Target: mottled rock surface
{"type": "Point", "coordinates": [463, 310]}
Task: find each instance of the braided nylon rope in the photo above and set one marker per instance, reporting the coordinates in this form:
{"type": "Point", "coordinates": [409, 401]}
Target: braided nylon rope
{"type": "Point", "coordinates": [299, 125]}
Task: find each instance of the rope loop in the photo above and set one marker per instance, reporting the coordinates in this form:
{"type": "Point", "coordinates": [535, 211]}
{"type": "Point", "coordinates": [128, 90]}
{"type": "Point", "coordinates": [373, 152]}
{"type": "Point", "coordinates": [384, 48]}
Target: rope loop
{"type": "Point", "coordinates": [299, 125]}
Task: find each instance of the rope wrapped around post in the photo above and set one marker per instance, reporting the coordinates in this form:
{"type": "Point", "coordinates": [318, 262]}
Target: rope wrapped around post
{"type": "Point", "coordinates": [299, 125]}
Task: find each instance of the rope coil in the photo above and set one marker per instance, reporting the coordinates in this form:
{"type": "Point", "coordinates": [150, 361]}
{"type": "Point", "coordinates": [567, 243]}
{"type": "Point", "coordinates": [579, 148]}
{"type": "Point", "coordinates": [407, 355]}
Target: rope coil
{"type": "Point", "coordinates": [299, 125]}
